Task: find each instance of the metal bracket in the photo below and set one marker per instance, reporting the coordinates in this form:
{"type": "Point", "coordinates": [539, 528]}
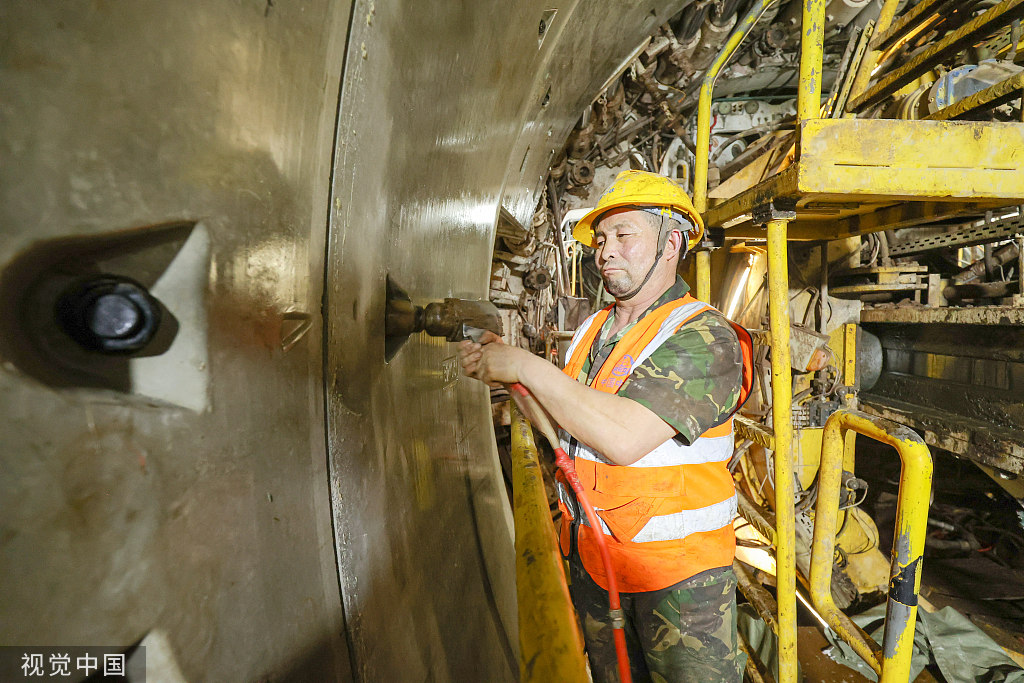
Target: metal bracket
{"type": "Point", "coordinates": [618, 618]}
{"type": "Point", "coordinates": [714, 238]}
{"type": "Point", "coordinates": [777, 209]}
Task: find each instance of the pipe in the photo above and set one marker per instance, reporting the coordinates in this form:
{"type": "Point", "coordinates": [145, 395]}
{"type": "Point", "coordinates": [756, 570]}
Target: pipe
{"type": "Point", "coordinates": [702, 154]}
{"type": "Point", "coordinates": [824, 311]}
{"type": "Point", "coordinates": [549, 638]}
{"type": "Point", "coordinates": [982, 290]}
{"type": "Point", "coordinates": [908, 540]}
{"type": "Point", "coordinates": [978, 268]}
{"type": "Point", "coordinates": [782, 424]}
{"type": "Point", "coordinates": [700, 171]}
{"type": "Point", "coordinates": [564, 462]}
{"type": "Point", "coordinates": [812, 45]}
{"type": "Point", "coordinates": [689, 22]}
{"type": "Point", "coordinates": [786, 122]}
{"type": "Point", "coordinates": [826, 524]}
{"type": "Point", "coordinates": [1020, 248]}
{"type": "Point", "coordinates": [712, 33]}
{"type": "Point", "coordinates": [883, 247]}
{"type": "Point", "coordinates": [556, 214]}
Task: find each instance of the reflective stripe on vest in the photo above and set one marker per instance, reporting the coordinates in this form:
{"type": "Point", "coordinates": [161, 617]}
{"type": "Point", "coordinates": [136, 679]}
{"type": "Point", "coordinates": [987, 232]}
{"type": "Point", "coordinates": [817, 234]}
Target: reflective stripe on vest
{"type": "Point", "coordinates": [671, 452]}
{"type": "Point", "coordinates": [676, 526]}
{"type": "Point", "coordinates": [669, 514]}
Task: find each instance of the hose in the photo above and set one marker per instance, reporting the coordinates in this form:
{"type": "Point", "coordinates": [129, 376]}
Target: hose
{"type": "Point", "coordinates": [564, 463]}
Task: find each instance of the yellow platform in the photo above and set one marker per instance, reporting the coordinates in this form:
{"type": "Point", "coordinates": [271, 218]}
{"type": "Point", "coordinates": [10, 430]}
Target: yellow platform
{"type": "Point", "coordinates": [854, 176]}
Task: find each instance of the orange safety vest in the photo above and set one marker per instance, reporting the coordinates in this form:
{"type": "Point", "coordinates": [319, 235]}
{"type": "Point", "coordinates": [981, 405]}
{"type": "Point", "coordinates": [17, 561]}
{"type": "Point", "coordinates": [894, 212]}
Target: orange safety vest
{"type": "Point", "coordinates": [668, 516]}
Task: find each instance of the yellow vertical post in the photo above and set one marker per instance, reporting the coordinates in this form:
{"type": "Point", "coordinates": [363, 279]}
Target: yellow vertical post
{"type": "Point", "coordinates": [812, 45]}
{"type": "Point", "coordinates": [704, 275]}
{"type": "Point", "coordinates": [850, 354]}
{"type": "Point", "coordinates": [782, 424]}
{"type": "Point", "coordinates": [870, 61]}
{"type": "Point", "coordinates": [700, 165]}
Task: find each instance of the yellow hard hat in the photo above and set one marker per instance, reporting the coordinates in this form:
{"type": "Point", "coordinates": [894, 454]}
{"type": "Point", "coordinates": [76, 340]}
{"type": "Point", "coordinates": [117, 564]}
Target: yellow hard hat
{"type": "Point", "coordinates": [641, 189]}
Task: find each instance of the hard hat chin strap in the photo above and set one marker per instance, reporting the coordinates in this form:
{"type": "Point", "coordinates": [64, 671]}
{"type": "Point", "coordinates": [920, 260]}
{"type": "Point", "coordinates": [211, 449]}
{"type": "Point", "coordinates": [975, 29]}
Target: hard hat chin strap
{"type": "Point", "coordinates": [662, 241]}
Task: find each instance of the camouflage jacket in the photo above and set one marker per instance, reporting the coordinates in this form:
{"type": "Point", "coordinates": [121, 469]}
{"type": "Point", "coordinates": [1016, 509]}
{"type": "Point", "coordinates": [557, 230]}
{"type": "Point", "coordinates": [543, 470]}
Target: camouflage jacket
{"type": "Point", "coordinates": [692, 381]}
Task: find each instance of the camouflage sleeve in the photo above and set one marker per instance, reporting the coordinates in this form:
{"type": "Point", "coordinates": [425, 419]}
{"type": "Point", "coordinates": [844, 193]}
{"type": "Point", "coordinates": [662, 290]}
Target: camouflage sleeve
{"type": "Point", "coordinates": [692, 381]}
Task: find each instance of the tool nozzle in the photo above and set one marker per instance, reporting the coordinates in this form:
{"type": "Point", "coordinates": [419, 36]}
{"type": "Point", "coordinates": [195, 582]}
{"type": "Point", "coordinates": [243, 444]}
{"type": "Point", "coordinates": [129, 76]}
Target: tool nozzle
{"type": "Point", "coordinates": [453, 319]}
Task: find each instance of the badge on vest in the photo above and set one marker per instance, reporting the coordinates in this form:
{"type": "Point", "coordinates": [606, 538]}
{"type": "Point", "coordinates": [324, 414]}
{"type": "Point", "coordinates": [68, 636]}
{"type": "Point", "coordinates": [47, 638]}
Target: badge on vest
{"type": "Point", "coordinates": [619, 373]}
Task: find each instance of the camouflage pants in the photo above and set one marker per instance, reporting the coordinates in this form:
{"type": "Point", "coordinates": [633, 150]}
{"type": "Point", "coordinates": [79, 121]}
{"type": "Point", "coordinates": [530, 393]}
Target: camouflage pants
{"type": "Point", "coordinates": [683, 634]}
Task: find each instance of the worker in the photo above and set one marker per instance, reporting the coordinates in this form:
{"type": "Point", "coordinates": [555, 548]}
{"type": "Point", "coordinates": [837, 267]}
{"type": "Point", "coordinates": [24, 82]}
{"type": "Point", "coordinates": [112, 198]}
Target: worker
{"type": "Point", "coordinates": [645, 405]}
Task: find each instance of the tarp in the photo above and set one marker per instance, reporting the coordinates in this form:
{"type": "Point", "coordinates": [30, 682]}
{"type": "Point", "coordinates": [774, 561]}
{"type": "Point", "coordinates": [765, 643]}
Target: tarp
{"type": "Point", "coordinates": [962, 651]}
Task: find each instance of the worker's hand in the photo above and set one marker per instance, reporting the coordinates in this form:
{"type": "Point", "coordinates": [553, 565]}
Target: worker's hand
{"type": "Point", "coordinates": [492, 360]}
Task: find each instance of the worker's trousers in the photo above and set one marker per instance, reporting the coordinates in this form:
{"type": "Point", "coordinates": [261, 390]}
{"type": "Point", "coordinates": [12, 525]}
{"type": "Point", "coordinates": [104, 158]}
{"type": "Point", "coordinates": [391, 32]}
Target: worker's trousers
{"type": "Point", "coordinates": [683, 634]}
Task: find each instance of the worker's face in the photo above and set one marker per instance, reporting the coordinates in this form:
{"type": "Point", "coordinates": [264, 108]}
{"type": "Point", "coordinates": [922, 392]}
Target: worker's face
{"type": "Point", "coordinates": [627, 244]}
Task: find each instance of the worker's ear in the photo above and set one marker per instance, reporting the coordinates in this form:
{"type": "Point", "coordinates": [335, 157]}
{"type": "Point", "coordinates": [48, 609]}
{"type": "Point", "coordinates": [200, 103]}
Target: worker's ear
{"type": "Point", "coordinates": [673, 244]}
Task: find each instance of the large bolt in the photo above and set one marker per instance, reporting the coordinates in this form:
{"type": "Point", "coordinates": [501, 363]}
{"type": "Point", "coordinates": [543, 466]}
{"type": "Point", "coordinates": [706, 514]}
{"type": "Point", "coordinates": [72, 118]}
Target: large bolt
{"type": "Point", "coordinates": [108, 314]}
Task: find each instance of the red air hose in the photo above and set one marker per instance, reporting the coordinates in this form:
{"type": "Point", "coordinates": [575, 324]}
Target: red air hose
{"type": "Point", "coordinates": [564, 463]}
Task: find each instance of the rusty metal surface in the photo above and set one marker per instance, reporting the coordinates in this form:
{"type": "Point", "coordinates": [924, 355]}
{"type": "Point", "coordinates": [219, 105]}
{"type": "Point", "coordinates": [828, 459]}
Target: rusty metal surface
{"type": "Point", "coordinates": [755, 431]}
{"type": "Point", "coordinates": [956, 375]}
{"type": "Point", "coordinates": [967, 372]}
{"type": "Point", "coordinates": [757, 595]}
{"type": "Point", "coordinates": [967, 315]}
{"type": "Point", "coordinates": [972, 439]}
{"type": "Point", "coordinates": [908, 21]}
{"type": "Point", "coordinates": [760, 518]}
{"type": "Point", "coordinates": [200, 518]}
{"type": "Point", "coordinates": [988, 228]}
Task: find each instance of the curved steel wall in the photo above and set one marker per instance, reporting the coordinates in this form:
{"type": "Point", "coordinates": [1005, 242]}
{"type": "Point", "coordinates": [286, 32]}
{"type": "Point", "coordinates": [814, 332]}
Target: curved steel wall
{"type": "Point", "coordinates": [198, 518]}
{"type": "Point", "coordinates": [196, 501]}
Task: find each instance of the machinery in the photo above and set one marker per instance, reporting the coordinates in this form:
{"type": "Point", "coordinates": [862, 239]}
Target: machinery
{"type": "Point", "coordinates": [899, 318]}
{"type": "Point", "coordinates": [226, 448]}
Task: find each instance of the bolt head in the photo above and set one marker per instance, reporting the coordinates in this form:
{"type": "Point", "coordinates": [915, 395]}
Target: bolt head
{"type": "Point", "coordinates": [113, 316]}
{"type": "Point", "coordinates": [108, 314]}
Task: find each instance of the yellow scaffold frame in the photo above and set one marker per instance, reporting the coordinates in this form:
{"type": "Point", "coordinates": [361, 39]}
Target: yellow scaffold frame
{"type": "Point", "coordinates": [757, 207]}
{"type": "Point", "coordinates": [838, 185]}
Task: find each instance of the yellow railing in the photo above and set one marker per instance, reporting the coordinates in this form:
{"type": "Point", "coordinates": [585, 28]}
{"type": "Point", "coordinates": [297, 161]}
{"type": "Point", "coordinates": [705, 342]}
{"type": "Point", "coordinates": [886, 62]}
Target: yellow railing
{"type": "Point", "coordinates": [908, 540]}
{"type": "Point", "coordinates": [703, 144]}
{"type": "Point", "coordinates": [550, 644]}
